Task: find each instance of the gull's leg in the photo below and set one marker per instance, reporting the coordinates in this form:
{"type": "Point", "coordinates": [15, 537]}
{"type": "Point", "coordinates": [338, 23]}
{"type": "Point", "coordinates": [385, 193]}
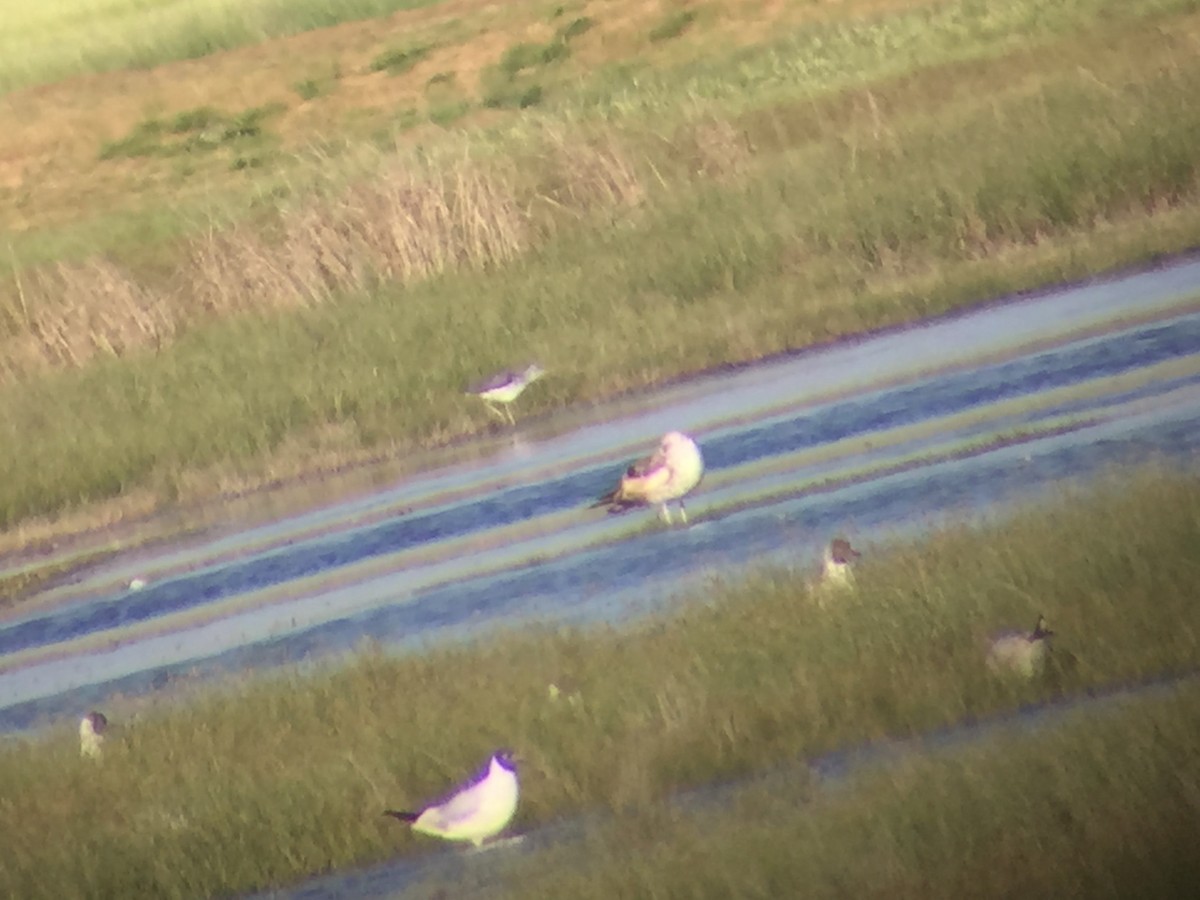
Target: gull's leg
{"type": "Point", "coordinates": [682, 512]}
{"type": "Point", "coordinates": [664, 512]}
{"type": "Point", "coordinates": [511, 420]}
{"type": "Point", "coordinates": [492, 408]}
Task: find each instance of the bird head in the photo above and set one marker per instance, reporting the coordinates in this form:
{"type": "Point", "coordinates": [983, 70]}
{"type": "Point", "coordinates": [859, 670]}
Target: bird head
{"type": "Point", "coordinates": [506, 759]}
{"type": "Point", "coordinates": [672, 440]}
{"type": "Point", "coordinates": [1040, 630]}
{"type": "Point", "coordinates": [93, 723]}
{"type": "Point", "coordinates": [840, 551]}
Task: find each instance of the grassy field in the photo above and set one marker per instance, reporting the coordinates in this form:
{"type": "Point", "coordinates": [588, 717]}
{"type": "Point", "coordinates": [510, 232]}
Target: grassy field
{"type": "Point", "coordinates": [1101, 804]}
{"type": "Point", "coordinates": [51, 41]}
{"type": "Point", "coordinates": [830, 179]}
{"type": "Point", "coordinates": [242, 246]}
{"type": "Point", "coordinates": [270, 780]}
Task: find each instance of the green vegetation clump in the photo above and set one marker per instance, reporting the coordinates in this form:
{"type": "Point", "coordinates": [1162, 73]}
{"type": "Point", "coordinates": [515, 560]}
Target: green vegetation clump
{"type": "Point", "coordinates": [400, 60]}
{"type": "Point", "coordinates": [448, 113]}
{"type": "Point", "coordinates": [144, 139]}
{"type": "Point", "coordinates": [196, 130]}
{"type": "Point", "coordinates": [746, 676]}
{"type": "Point", "coordinates": [308, 89]}
{"type": "Point", "coordinates": [672, 26]}
{"type": "Point", "coordinates": [505, 95]}
{"type": "Point", "coordinates": [520, 57]}
{"type": "Point", "coordinates": [574, 28]}
{"type": "Point", "coordinates": [195, 119]}
{"type": "Point", "coordinates": [506, 85]}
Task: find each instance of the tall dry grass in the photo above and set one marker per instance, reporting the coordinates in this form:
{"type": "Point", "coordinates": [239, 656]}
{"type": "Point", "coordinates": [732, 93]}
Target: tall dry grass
{"type": "Point", "coordinates": [74, 311]}
{"type": "Point", "coordinates": [412, 219]}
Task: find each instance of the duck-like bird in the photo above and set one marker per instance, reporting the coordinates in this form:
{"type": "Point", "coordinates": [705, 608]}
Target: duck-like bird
{"type": "Point", "coordinates": [505, 387]}
{"type": "Point", "coordinates": [1021, 654]}
{"type": "Point", "coordinates": [91, 734]}
{"type": "Point", "coordinates": [670, 473]}
{"type": "Point", "coordinates": [479, 810]}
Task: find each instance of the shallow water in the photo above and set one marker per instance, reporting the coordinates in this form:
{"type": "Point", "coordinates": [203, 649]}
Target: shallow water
{"type": "Point", "coordinates": [868, 438]}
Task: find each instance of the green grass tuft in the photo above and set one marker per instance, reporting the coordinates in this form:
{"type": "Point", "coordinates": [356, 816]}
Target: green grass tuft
{"type": "Point", "coordinates": [198, 130]}
{"type": "Point", "coordinates": [400, 60]}
{"type": "Point", "coordinates": [574, 29]}
{"type": "Point", "coordinates": [672, 25]}
{"type": "Point", "coordinates": [520, 57]}
{"type": "Point", "coordinates": [144, 139]}
{"type": "Point", "coordinates": [503, 94]}
{"type": "Point", "coordinates": [308, 89]}
{"type": "Point", "coordinates": [448, 113]}
{"type": "Point", "coordinates": [195, 120]}
{"type": "Point", "coordinates": [441, 78]}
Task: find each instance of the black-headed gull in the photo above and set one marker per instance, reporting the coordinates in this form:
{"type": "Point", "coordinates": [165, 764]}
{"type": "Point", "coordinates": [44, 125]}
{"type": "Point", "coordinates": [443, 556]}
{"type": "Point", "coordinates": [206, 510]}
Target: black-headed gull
{"type": "Point", "coordinates": [480, 809]}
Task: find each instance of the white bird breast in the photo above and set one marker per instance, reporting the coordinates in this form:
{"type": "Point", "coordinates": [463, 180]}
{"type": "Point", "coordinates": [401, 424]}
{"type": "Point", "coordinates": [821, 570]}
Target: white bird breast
{"type": "Point", "coordinates": [474, 813]}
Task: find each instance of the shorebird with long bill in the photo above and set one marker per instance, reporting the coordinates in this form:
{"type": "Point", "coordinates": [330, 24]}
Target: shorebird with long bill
{"type": "Point", "coordinates": [479, 810]}
{"type": "Point", "coordinates": [670, 473]}
{"type": "Point", "coordinates": [506, 387]}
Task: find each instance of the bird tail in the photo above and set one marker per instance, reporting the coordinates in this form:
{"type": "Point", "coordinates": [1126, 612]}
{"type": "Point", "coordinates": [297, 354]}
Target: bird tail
{"type": "Point", "coordinates": [616, 499]}
{"type": "Point", "coordinates": [607, 500]}
{"type": "Point", "coordinates": [402, 815]}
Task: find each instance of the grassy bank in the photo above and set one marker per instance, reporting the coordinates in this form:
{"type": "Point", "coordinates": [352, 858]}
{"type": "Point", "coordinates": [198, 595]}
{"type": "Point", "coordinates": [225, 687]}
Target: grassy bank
{"type": "Point", "coordinates": [276, 779]}
{"type": "Point", "coordinates": [349, 330]}
{"type": "Point", "coordinates": [1101, 804]}
{"type": "Point", "coordinates": [51, 41]}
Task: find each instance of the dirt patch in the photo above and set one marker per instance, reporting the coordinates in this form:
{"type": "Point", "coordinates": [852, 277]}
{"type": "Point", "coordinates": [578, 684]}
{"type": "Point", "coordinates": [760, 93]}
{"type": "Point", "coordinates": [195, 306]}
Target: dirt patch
{"type": "Point", "coordinates": [49, 157]}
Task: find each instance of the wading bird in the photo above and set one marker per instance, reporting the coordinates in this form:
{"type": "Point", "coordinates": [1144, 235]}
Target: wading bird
{"type": "Point", "coordinates": [475, 812]}
{"type": "Point", "coordinates": [1021, 654]}
{"type": "Point", "coordinates": [506, 387]}
{"type": "Point", "coordinates": [671, 472]}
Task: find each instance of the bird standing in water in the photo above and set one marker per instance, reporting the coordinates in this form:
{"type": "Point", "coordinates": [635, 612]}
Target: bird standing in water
{"type": "Point", "coordinates": [671, 472]}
